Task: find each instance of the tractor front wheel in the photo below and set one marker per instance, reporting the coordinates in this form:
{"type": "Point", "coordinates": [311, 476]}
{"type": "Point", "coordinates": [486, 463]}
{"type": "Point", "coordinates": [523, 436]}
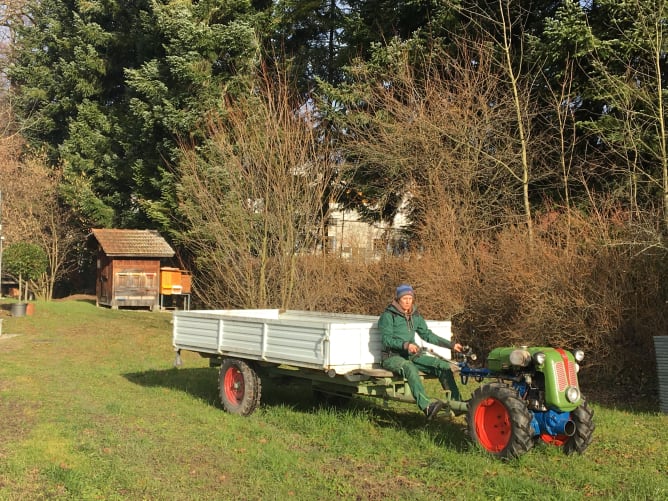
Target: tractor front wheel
{"type": "Point", "coordinates": [240, 387]}
{"type": "Point", "coordinates": [583, 417]}
{"type": "Point", "coordinates": [499, 421]}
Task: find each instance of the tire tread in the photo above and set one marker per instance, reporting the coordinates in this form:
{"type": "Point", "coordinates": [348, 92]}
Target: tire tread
{"type": "Point", "coordinates": [252, 387]}
{"type": "Point", "coordinates": [521, 440]}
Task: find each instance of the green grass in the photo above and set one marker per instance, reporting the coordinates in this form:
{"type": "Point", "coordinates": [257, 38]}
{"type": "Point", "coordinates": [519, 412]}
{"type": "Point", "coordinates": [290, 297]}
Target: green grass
{"type": "Point", "coordinates": [92, 408]}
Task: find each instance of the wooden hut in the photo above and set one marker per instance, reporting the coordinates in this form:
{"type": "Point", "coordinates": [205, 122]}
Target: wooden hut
{"type": "Point", "coordinates": [128, 267]}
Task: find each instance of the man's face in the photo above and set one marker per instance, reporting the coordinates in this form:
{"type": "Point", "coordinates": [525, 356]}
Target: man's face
{"type": "Point", "coordinates": [406, 302]}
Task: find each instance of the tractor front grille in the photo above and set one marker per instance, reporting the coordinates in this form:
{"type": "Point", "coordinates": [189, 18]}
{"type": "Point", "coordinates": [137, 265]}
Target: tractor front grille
{"type": "Point", "coordinates": [565, 376]}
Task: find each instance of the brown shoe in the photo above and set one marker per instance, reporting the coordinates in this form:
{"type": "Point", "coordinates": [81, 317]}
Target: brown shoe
{"type": "Point", "coordinates": [433, 408]}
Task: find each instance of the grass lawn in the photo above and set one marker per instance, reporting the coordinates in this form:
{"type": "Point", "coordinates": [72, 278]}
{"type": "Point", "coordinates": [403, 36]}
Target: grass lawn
{"type": "Point", "coordinates": [91, 407]}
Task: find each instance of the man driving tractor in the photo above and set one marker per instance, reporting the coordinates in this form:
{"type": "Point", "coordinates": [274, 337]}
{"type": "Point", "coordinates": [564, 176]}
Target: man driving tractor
{"type": "Point", "coordinates": [398, 324]}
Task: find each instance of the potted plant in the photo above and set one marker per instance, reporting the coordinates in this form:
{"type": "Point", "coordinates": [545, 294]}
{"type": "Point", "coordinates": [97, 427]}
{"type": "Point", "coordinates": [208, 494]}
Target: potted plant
{"type": "Point", "coordinates": [24, 261]}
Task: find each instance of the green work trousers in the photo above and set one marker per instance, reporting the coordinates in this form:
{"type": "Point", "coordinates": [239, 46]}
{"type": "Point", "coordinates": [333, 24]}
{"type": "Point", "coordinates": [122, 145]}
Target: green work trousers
{"type": "Point", "coordinates": [410, 369]}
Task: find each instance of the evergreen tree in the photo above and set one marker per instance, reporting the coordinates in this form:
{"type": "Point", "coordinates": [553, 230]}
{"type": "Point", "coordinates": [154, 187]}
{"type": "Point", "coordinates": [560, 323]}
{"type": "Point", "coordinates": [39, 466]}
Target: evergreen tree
{"type": "Point", "coordinates": [376, 23]}
{"type": "Point", "coordinates": [307, 36]}
{"type": "Point", "coordinates": [209, 48]}
{"type": "Point", "coordinates": [111, 87]}
{"type": "Point", "coordinates": [69, 88]}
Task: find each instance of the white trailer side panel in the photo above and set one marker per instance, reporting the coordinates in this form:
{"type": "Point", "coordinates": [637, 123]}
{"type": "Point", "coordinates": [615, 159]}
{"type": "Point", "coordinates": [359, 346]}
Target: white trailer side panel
{"type": "Point", "coordinates": [327, 341]}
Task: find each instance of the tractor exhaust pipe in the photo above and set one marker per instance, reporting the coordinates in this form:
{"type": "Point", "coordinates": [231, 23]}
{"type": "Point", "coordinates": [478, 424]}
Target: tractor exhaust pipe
{"type": "Point", "coordinates": [569, 428]}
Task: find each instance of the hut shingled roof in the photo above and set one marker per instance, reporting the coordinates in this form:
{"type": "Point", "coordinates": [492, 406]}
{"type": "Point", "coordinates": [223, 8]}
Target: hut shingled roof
{"type": "Point", "coordinates": [132, 243]}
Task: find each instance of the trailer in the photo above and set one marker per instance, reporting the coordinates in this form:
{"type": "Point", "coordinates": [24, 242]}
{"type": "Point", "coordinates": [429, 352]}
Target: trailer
{"type": "Point", "coordinates": [340, 354]}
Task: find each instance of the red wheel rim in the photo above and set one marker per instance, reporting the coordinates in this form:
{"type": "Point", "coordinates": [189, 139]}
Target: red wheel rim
{"type": "Point", "coordinates": [234, 385]}
{"type": "Point", "coordinates": [492, 425]}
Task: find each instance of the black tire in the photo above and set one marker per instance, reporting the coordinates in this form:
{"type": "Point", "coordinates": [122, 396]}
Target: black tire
{"type": "Point", "coordinates": [499, 421]}
{"type": "Point", "coordinates": [583, 417]}
{"type": "Point", "coordinates": [239, 387]}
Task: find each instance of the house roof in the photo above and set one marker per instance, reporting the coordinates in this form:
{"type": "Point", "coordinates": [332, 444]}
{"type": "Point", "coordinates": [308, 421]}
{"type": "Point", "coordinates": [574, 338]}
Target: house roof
{"type": "Point", "coordinates": [133, 243]}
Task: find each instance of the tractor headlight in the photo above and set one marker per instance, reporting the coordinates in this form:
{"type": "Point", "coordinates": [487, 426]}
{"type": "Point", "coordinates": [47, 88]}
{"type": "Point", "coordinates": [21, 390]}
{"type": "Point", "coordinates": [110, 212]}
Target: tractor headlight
{"type": "Point", "coordinates": [577, 368]}
{"type": "Point", "coordinates": [520, 358]}
{"type": "Point", "coordinates": [572, 394]}
{"type": "Point", "coordinates": [579, 355]}
{"type": "Point", "coordinates": [539, 358]}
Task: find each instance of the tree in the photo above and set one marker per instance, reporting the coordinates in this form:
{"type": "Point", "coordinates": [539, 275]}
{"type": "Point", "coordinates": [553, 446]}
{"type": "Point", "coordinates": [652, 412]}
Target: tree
{"type": "Point", "coordinates": [615, 54]}
{"type": "Point", "coordinates": [25, 261]}
{"type": "Point", "coordinates": [255, 198]}
{"type": "Point", "coordinates": [209, 49]}
{"type": "Point", "coordinates": [33, 211]}
{"type": "Point", "coordinates": [630, 77]}
{"type": "Point", "coordinates": [309, 35]}
{"type": "Point", "coordinates": [430, 129]}
{"type": "Point", "coordinates": [109, 88]}
{"type": "Point", "coordinates": [69, 93]}
{"type": "Point", "coordinates": [505, 23]}
{"type": "Point", "coordinates": [316, 39]}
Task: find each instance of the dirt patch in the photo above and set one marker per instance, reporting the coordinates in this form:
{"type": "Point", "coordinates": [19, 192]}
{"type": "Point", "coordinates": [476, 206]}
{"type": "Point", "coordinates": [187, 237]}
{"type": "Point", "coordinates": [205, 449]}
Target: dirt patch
{"type": "Point", "coordinates": [17, 420]}
{"type": "Point", "coordinates": [78, 297]}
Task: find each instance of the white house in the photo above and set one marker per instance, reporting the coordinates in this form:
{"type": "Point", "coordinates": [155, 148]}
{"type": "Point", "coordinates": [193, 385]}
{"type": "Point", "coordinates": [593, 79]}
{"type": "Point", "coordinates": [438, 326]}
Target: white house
{"type": "Point", "coordinates": [351, 238]}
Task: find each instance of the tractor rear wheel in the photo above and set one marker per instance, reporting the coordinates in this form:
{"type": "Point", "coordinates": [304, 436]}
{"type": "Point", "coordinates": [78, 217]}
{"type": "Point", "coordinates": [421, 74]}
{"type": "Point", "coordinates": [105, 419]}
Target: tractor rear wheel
{"type": "Point", "coordinates": [583, 417]}
{"type": "Point", "coordinates": [499, 421]}
{"type": "Point", "coordinates": [240, 387]}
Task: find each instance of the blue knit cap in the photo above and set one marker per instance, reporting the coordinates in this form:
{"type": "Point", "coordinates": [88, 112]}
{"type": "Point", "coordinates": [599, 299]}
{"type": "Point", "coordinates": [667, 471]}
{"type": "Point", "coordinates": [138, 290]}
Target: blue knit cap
{"type": "Point", "coordinates": [403, 290]}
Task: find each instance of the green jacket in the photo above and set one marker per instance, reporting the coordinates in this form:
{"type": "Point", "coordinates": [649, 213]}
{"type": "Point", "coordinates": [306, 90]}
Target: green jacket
{"type": "Point", "coordinates": [397, 329]}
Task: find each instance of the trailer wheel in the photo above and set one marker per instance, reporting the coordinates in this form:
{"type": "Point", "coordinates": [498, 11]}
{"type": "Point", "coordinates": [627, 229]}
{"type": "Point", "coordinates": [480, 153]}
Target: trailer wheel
{"type": "Point", "coordinates": [583, 417]}
{"type": "Point", "coordinates": [499, 421]}
{"type": "Point", "coordinates": [240, 387]}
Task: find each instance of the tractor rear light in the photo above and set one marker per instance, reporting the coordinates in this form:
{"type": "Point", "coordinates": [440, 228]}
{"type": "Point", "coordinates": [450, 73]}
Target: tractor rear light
{"type": "Point", "coordinates": [579, 355]}
{"type": "Point", "coordinates": [539, 358]}
{"type": "Point", "coordinates": [572, 394]}
{"type": "Point", "coordinates": [520, 358]}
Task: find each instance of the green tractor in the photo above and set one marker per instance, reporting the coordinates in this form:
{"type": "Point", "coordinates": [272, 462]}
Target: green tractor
{"type": "Point", "coordinates": [536, 396]}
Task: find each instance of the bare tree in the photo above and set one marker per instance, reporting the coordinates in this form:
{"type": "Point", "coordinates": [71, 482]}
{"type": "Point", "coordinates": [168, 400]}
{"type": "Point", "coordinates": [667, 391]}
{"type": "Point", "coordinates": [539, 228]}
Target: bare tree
{"type": "Point", "coordinates": [563, 136]}
{"type": "Point", "coordinates": [508, 54]}
{"type": "Point", "coordinates": [33, 213]}
{"type": "Point", "coordinates": [257, 197]}
{"type": "Point", "coordinates": [635, 125]}
{"type": "Point", "coordinates": [442, 134]}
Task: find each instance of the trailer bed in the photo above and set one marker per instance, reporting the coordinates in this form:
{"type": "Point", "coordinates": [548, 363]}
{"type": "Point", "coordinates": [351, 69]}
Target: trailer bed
{"type": "Point", "coordinates": [336, 343]}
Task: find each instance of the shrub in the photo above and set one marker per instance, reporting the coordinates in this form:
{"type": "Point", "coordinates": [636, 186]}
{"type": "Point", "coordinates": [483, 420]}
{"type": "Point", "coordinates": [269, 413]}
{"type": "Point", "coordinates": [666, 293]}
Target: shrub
{"type": "Point", "coordinates": [25, 261]}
